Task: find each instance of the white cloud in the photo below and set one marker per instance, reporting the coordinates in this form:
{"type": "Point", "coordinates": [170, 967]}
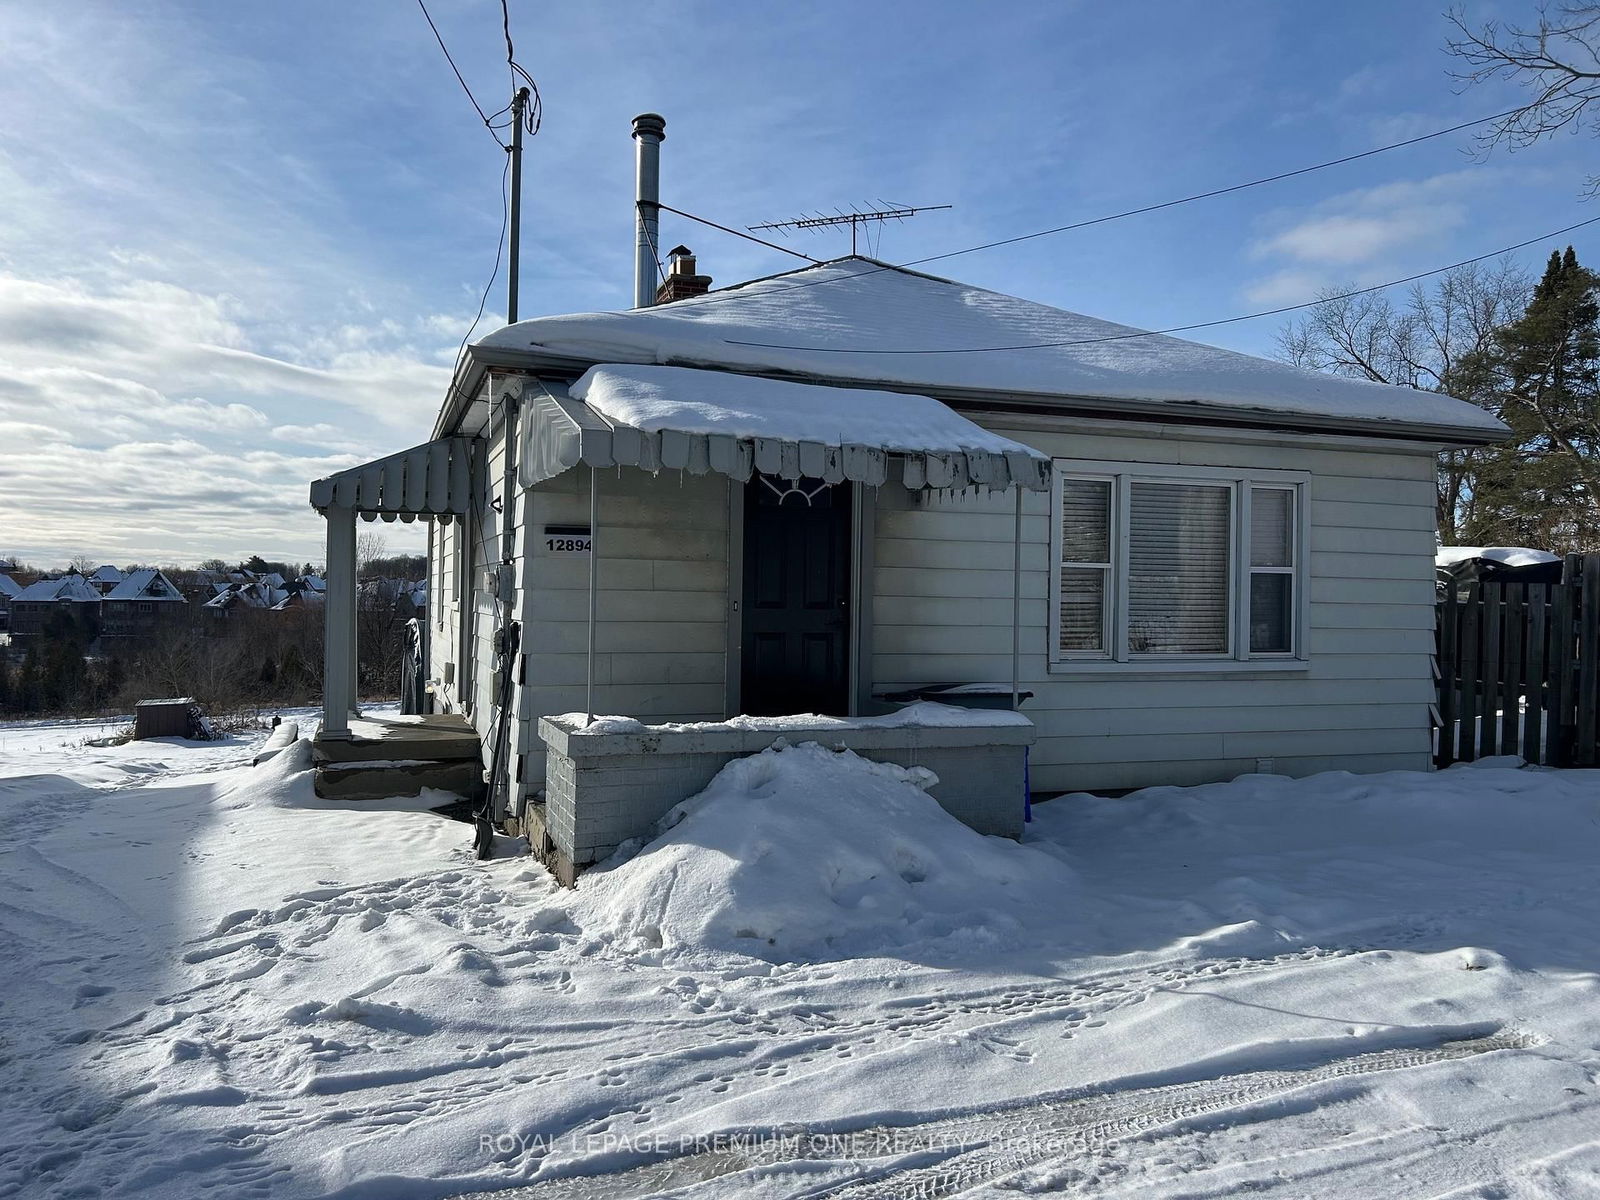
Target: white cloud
{"type": "Point", "coordinates": [1371, 223]}
{"type": "Point", "coordinates": [1283, 288]}
{"type": "Point", "coordinates": [126, 431]}
{"type": "Point", "coordinates": [1363, 236]}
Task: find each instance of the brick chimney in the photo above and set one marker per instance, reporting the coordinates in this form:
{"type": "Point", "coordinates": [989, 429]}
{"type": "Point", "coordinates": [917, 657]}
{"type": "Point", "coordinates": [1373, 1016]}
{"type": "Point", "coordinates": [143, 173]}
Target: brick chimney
{"type": "Point", "coordinates": [682, 282]}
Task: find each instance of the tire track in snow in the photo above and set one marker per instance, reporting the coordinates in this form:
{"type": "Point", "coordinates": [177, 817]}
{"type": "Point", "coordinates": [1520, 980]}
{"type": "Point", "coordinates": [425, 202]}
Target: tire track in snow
{"type": "Point", "coordinates": [732, 1048]}
{"type": "Point", "coordinates": [946, 1157]}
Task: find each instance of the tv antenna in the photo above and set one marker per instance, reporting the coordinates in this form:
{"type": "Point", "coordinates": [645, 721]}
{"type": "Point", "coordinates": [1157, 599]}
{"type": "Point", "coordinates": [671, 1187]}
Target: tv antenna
{"type": "Point", "coordinates": [855, 218]}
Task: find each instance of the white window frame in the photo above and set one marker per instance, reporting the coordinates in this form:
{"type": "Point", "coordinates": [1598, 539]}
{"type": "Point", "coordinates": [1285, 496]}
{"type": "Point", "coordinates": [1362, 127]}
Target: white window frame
{"type": "Point", "coordinates": [1109, 570]}
{"type": "Point", "coordinates": [1295, 570]}
{"type": "Point", "coordinates": [1116, 657]}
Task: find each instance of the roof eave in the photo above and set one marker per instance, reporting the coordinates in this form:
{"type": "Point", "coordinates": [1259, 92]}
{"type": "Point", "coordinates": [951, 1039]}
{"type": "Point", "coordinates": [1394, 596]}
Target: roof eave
{"type": "Point", "coordinates": [481, 359]}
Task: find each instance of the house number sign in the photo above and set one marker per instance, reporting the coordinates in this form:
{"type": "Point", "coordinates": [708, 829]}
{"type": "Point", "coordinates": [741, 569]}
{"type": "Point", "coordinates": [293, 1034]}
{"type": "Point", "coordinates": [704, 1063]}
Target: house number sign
{"type": "Point", "coordinates": [567, 539]}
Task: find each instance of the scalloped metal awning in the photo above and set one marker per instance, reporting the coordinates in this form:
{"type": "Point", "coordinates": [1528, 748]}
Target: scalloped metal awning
{"type": "Point", "coordinates": [431, 481]}
{"type": "Point", "coordinates": [561, 431]}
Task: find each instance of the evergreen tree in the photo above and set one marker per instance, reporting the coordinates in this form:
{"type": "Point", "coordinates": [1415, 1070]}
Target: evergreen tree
{"type": "Point", "coordinates": [1542, 488]}
{"type": "Point", "coordinates": [7, 700]}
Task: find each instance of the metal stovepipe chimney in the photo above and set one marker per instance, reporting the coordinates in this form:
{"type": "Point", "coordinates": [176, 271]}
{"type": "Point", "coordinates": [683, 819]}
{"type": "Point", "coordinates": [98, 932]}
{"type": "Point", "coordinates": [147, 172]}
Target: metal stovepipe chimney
{"type": "Point", "coordinates": [649, 131]}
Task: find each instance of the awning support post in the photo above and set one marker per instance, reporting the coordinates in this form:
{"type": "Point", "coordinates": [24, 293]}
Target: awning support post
{"type": "Point", "coordinates": [594, 594]}
{"type": "Point", "coordinates": [1016, 604]}
{"type": "Point", "coordinates": [338, 651]}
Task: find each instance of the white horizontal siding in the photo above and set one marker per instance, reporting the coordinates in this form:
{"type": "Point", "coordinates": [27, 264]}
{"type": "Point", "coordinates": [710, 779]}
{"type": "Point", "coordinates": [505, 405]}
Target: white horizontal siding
{"type": "Point", "coordinates": [942, 613]}
{"type": "Point", "coordinates": [662, 546]}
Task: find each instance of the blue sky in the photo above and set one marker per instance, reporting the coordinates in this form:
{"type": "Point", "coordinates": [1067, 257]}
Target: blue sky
{"type": "Point", "coordinates": [239, 243]}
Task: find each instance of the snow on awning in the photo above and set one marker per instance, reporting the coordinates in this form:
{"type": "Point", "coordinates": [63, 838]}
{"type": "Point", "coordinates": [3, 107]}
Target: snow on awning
{"type": "Point", "coordinates": [431, 481]}
{"type": "Point", "coordinates": [679, 418]}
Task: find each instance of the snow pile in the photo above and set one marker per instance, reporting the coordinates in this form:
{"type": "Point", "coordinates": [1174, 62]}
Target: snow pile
{"type": "Point", "coordinates": [923, 714]}
{"type": "Point", "coordinates": [1511, 556]}
{"type": "Point", "coordinates": [653, 399]}
{"type": "Point", "coordinates": [800, 853]}
{"type": "Point", "coordinates": [832, 321]}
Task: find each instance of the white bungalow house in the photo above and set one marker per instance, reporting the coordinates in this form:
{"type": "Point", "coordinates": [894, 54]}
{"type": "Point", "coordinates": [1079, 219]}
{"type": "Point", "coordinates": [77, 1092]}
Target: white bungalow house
{"type": "Point", "coordinates": [817, 491]}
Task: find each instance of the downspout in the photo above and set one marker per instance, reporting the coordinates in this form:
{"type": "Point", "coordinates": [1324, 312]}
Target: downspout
{"type": "Point", "coordinates": [594, 589]}
{"type": "Point", "coordinates": [649, 131]}
{"type": "Point", "coordinates": [1016, 603]}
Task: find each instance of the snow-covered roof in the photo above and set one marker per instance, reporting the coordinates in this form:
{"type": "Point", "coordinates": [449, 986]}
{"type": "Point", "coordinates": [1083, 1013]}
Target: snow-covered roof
{"type": "Point", "coordinates": [145, 584]}
{"type": "Point", "coordinates": [305, 598]}
{"type": "Point", "coordinates": [9, 587]}
{"type": "Point", "coordinates": [71, 588]}
{"type": "Point", "coordinates": [856, 320]}
{"type": "Point", "coordinates": [715, 420]}
{"type": "Point", "coordinates": [106, 574]}
{"type": "Point", "coordinates": [1511, 556]}
{"type": "Point", "coordinates": [251, 595]}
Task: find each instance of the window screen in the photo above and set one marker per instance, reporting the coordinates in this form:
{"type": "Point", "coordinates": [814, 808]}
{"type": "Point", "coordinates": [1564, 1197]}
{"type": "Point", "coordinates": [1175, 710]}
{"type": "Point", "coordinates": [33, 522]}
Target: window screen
{"type": "Point", "coordinates": [1272, 549]}
{"type": "Point", "coordinates": [1085, 564]}
{"type": "Point", "coordinates": [1178, 568]}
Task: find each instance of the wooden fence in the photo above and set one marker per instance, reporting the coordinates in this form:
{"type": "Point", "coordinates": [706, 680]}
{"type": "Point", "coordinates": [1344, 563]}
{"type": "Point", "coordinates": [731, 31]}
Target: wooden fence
{"type": "Point", "coordinates": [1519, 669]}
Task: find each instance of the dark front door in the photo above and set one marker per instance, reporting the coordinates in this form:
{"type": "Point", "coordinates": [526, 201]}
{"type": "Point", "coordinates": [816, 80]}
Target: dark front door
{"type": "Point", "coordinates": [796, 597]}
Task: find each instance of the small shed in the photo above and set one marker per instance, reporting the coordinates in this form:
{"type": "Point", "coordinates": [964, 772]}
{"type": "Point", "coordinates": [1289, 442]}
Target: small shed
{"type": "Point", "coordinates": [165, 718]}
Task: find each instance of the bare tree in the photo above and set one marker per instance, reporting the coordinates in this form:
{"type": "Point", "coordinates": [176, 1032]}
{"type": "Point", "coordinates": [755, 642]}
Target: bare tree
{"type": "Point", "coordinates": [1427, 341]}
{"type": "Point", "coordinates": [1558, 61]}
{"type": "Point", "coordinates": [83, 564]}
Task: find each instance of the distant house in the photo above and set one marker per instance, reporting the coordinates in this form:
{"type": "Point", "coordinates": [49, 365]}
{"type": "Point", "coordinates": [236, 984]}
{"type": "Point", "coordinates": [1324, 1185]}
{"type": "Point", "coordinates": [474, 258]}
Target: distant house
{"type": "Point", "coordinates": [408, 598]}
{"type": "Point", "coordinates": [104, 578]}
{"type": "Point", "coordinates": [300, 598]}
{"type": "Point", "coordinates": [245, 596]}
{"type": "Point", "coordinates": [33, 606]}
{"type": "Point", "coordinates": [9, 590]}
{"type": "Point", "coordinates": [140, 605]}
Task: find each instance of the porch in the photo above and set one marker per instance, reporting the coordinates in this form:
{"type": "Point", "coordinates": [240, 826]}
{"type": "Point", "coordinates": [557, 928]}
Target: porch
{"type": "Point", "coordinates": [362, 757]}
{"type": "Point", "coordinates": [611, 780]}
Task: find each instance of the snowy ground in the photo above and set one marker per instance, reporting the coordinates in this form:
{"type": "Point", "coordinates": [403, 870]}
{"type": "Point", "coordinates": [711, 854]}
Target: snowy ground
{"type": "Point", "coordinates": [812, 985]}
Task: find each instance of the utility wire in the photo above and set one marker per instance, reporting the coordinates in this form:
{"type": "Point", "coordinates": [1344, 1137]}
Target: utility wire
{"type": "Point", "coordinates": [1237, 187]}
{"type": "Point", "coordinates": [534, 117]}
{"type": "Point", "coordinates": [749, 237]}
{"type": "Point", "coordinates": [1144, 333]}
{"type": "Point", "coordinates": [655, 250]}
{"type": "Point", "coordinates": [499, 254]}
{"type": "Point", "coordinates": [488, 121]}
{"type": "Point", "coordinates": [1134, 212]}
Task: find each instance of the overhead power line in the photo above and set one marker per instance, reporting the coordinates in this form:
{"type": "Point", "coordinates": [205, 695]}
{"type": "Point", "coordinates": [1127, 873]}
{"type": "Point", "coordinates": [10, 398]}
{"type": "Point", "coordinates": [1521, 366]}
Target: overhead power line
{"type": "Point", "coordinates": [534, 113]}
{"type": "Point", "coordinates": [499, 254]}
{"type": "Point", "coordinates": [1147, 208]}
{"type": "Point", "coordinates": [1223, 191]}
{"type": "Point", "coordinates": [749, 237]}
{"type": "Point", "coordinates": [488, 121]}
{"type": "Point", "coordinates": [1144, 333]}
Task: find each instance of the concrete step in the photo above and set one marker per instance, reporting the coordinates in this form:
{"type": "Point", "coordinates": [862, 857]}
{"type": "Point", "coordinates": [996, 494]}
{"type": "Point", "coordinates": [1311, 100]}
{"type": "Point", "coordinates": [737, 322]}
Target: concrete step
{"type": "Point", "coordinates": [381, 780]}
{"type": "Point", "coordinates": [436, 737]}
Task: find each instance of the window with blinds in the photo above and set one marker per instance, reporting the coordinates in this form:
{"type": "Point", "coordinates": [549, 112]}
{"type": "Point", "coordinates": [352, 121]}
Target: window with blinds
{"type": "Point", "coordinates": [1201, 564]}
{"type": "Point", "coordinates": [1178, 568]}
{"type": "Point", "coordinates": [1084, 572]}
